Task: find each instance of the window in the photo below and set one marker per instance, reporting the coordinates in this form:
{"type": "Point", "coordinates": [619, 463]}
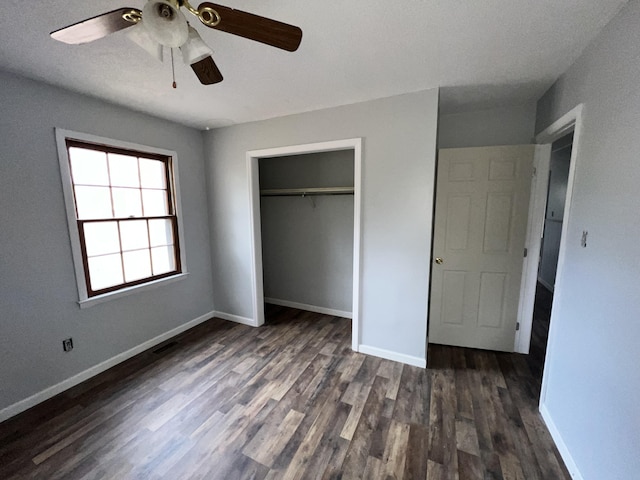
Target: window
{"type": "Point", "coordinates": [125, 214]}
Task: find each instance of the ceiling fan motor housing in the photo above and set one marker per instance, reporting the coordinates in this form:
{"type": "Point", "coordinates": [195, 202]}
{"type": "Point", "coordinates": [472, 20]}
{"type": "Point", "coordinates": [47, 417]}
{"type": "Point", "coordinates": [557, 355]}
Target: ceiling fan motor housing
{"type": "Point", "coordinates": [165, 11]}
{"type": "Point", "coordinates": [165, 22]}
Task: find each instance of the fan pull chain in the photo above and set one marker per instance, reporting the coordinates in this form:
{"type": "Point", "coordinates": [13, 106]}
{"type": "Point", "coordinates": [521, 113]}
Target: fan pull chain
{"type": "Point", "coordinates": [173, 70]}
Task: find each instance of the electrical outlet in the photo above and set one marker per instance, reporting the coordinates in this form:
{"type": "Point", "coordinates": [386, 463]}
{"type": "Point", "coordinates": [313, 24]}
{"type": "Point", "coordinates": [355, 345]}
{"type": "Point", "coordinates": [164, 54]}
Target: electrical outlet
{"type": "Point", "coordinates": [67, 344]}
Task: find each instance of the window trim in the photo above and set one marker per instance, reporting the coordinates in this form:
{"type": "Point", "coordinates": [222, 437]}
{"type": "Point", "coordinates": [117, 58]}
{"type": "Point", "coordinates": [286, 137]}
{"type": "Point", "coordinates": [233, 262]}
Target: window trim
{"type": "Point", "coordinates": [65, 137]}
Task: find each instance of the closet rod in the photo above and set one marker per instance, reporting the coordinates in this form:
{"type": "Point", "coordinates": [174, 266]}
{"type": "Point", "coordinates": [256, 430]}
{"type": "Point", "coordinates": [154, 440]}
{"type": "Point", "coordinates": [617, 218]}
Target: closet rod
{"type": "Point", "coordinates": [279, 192]}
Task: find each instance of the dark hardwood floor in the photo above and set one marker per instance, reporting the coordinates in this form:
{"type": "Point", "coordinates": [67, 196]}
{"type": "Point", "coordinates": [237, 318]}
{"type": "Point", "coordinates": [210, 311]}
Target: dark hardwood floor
{"type": "Point", "coordinates": [289, 400]}
{"type": "Point", "coordinates": [540, 331]}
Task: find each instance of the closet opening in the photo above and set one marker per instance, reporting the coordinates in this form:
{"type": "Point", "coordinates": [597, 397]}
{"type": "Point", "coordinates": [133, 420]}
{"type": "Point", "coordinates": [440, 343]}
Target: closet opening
{"type": "Point", "coordinates": [305, 206]}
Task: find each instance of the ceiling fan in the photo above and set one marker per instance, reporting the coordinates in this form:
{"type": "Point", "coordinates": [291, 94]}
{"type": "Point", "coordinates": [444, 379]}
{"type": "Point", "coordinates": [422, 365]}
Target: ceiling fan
{"type": "Point", "coordinates": [161, 23]}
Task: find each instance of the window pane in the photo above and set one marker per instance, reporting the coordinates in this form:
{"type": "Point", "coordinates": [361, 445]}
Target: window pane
{"type": "Point", "coordinates": [160, 232]}
{"type": "Point", "coordinates": [137, 265]}
{"type": "Point", "coordinates": [105, 271]}
{"type": "Point", "coordinates": [126, 214]}
{"type": "Point", "coordinates": [126, 202]}
{"type": "Point", "coordinates": [152, 173]}
{"type": "Point", "coordinates": [155, 203]}
{"type": "Point", "coordinates": [163, 260]}
{"type": "Point", "coordinates": [93, 202]}
{"type": "Point", "coordinates": [123, 170]}
{"type": "Point", "coordinates": [88, 167]}
{"type": "Point", "coordinates": [134, 235]}
{"type": "Point", "coordinates": [101, 238]}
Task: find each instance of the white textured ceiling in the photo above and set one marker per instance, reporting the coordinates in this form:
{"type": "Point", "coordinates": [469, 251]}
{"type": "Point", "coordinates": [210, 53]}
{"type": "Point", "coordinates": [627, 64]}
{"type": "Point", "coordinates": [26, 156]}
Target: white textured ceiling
{"type": "Point", "coordinates": [482, 53]}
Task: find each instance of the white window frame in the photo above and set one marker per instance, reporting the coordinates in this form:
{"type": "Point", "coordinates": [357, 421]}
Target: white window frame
{"type": "Point", "coordinates": [84, 300]}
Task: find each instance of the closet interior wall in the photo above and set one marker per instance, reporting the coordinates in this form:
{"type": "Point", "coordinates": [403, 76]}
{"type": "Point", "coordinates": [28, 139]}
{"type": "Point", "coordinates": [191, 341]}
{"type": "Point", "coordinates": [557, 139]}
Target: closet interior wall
{"type": "Point", "coordinates": [307, 240]}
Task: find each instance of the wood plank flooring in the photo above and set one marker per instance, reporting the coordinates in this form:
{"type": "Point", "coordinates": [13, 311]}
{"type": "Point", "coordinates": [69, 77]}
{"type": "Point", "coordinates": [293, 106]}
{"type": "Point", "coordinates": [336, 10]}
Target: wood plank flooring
{"type": "Point", "coordinates": [540, 330]}
{"type": "Point", "coordinates": [287, 401]}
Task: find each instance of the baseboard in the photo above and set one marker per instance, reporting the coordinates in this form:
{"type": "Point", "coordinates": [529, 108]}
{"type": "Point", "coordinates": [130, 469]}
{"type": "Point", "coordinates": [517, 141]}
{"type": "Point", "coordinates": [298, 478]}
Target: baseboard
{"type": "Point", "coordinates": [545, 284]}
{"type": "Point", "coordinates": [236, 318]}
{"type": "Point", "coordinates": [310, 308]}
{"type": "Point", "coordinates": [54, 390]}
{"type": "Point", "coordinates": [395, 356]}
{"type": "Point", "coordinates": [562, 447]}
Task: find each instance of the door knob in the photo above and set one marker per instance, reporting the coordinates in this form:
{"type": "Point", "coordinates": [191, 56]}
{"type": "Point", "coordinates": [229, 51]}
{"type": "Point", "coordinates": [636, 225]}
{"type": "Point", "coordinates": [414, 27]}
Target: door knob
{"type": "Point", "coordinates": [439, 260]}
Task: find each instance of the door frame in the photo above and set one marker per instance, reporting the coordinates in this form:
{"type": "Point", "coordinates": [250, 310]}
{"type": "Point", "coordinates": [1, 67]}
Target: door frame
{"type": "Point", "coordinates": [571, 121]}
{"type": "Point", "coordinates": [257, 282]}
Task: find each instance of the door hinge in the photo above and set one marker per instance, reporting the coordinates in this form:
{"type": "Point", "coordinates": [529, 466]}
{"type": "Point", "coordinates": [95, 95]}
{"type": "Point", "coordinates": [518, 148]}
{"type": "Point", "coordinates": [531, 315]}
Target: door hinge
{"type": "Point", "coordinates": [517, 326]}
{"type": "Point", "coordinates": [526, 252]}
{"type": "Point", "coordinates": [535, 170]}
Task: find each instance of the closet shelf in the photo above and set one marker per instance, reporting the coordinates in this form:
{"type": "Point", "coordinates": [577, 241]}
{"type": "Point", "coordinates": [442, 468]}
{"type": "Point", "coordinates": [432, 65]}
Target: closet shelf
{"type": "Point", "coordinates": [288, 192]}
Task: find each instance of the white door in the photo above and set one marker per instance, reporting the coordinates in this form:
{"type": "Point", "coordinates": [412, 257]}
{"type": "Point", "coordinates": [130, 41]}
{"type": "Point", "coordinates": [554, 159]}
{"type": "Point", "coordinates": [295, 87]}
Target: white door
{"type": "Point", "coordinates": [482, 203]}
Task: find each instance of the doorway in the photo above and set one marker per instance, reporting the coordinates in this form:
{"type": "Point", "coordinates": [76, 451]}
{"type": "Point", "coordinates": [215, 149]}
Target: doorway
{"type": "Point", "coordinates": [559, 134]}
{"type": "Point", "coordinates": [306, 211]}
{"type": "Point", "coordinates": [253, 157]}
{"type": "Point", "coordinates": [558, 177]}
{"type": "Point", "coordinates": [570, 123]}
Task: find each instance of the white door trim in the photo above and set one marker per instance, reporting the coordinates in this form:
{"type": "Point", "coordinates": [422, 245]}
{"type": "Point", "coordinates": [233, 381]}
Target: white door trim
{"type": "Point", "coordinates": [253, 156]}
{"type": "Point", "coordinates": [572, 120]}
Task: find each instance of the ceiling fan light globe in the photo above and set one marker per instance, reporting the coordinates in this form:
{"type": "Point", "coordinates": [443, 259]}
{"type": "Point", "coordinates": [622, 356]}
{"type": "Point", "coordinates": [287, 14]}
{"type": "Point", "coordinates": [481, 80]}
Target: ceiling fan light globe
{"type": "Point", "coordinates": [194, 49]}
{"type": "Point", "coordinates": [165, 23]}
{"type": "Point", "coordinates": [141, 37]}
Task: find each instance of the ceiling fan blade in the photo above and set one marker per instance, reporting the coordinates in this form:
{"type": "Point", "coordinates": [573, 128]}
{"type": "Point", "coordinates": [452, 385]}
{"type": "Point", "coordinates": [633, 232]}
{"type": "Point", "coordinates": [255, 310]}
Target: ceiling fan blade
{"type": "Point", "coordinates": [96, 27]}
{"type": "Point", "coordinates": [207, 71]}
{"type": "Point", "coordinates": [253, 27]}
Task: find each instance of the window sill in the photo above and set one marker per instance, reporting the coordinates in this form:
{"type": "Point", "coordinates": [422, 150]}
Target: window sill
{"type": "Point", "coordinates": [90, 302]}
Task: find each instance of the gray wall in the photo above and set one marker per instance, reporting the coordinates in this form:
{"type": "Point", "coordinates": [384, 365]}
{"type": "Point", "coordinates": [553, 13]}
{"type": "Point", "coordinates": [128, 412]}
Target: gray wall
{"type": "Point", "coordinates": [38, 292]}
{"type": "Point", "coordinates": [398, 177]}
{"type": "Point", "coordinates": [323, 169]}
{"type": "Point", "coordinates": [484, 128]}
{"type": "Point", "coordinates": [592, 367]}
{"type": "Point", "coordinates": [558, 175]}
{"type": "Point", "coordinates": [307, 243]}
